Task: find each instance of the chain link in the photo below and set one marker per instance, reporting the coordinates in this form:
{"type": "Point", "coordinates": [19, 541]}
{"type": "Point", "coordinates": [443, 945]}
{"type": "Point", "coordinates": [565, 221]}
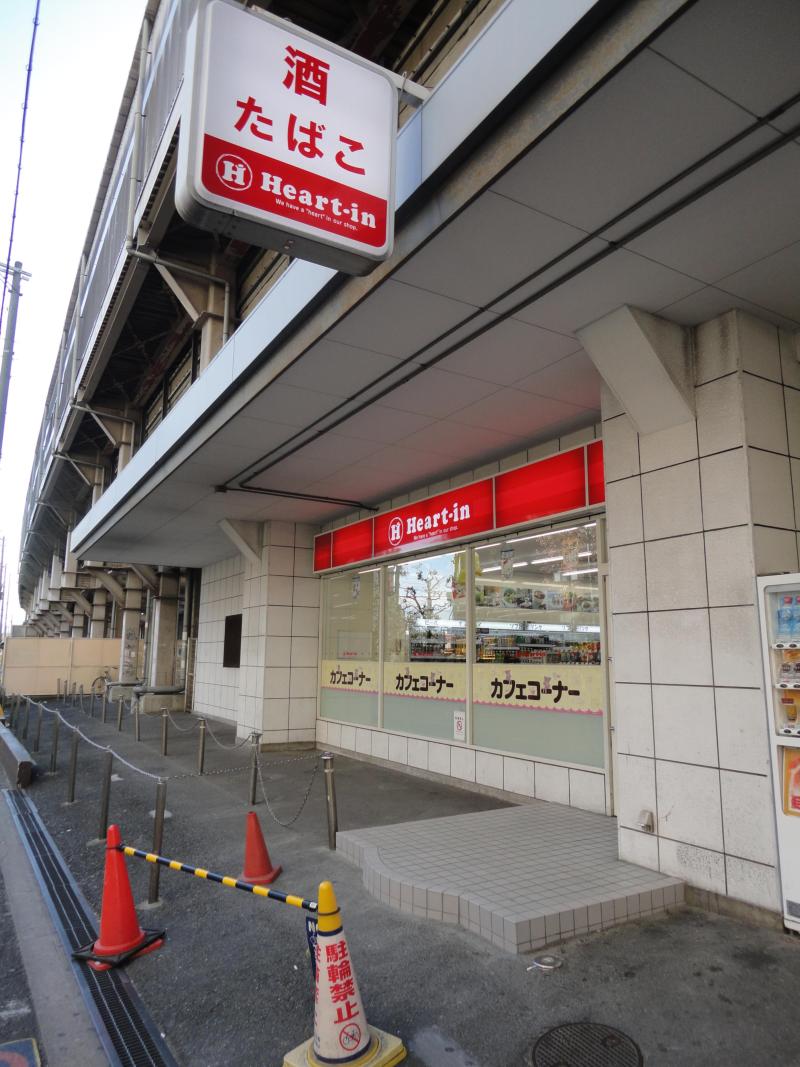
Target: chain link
{"type": "Point", "coordinates": [303, 802]}
{"type": "Point", "coordinates": [182, 729]}
{"type": "Point", "coordinates": [238, 744]}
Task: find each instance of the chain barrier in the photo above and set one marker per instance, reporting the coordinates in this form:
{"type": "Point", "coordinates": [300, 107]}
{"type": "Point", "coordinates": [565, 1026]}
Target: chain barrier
{"type": "Point", "coordinates": [94, 744]}
{"type": "Point", "coordinates": [183, 729]}
{"type": "Point", "coordinates": [194, 774]}
{"type": "Point", "coordinates": [237, 744]}
{"type": "Point", "coordinates": [303, 802]}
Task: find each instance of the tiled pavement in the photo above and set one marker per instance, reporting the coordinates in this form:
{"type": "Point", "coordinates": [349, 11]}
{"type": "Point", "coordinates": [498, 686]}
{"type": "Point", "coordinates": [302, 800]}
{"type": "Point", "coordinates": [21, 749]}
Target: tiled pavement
{"type": "Point", "coordinates": [522, 877]}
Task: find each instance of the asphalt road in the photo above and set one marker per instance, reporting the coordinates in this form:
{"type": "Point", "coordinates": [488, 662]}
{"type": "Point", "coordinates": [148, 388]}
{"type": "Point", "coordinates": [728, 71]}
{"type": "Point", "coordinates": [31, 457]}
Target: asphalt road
{"type": "Point", "coordinates": [233, 983]}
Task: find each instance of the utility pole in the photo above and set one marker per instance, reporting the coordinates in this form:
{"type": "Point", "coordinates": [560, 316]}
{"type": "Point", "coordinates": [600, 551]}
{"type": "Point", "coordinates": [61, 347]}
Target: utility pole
{"type": "Point", "coordinates": [17, 275]}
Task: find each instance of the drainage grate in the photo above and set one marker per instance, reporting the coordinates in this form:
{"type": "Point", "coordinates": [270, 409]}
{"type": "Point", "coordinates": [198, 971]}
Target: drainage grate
{"type": "Point", "coordinates": [585, 1045]}
{"type": "Point", "coordinates": [128, 1035]}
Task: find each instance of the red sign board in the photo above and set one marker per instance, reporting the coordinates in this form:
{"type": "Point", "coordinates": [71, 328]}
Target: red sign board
{"type": "Point", "coordinates": [446, 517]}
{"type": "Point", "coordinates": [286, 140]}
{"type": "Point", "coordinates": [545, 488]}
{"type": "Point", "coordinates": [352, 543]}
{"type": "Point", "coordinates": [596, 475]}
{"type": "Point", "coordinates": [323, 552]}
{"type": "Point", "coordinates": [554, 486]}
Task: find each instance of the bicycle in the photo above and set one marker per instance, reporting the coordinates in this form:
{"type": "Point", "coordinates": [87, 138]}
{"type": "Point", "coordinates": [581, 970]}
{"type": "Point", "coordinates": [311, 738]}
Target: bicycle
{"type": "Point", "coordinates": [101, 682]}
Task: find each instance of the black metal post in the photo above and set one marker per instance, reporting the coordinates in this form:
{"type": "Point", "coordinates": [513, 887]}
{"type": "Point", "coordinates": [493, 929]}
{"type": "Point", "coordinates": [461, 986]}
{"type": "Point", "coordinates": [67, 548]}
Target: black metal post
{"type": "Point", "coordinates": [201, 746]}
{"type": "Point", "coordinates": [38, 733]}
{"type": "Point", "coordinates": [164, 732]}
{"type": "Point", "coordinates": [158, 839]}
{"type": "Point", "coordinates": [105, 795]}
{"type": "Point", "coordinates": [330, 799]}
{"type": "Point", "coordinates": [54, 746]}
{"type": "Point", "coordinates": [73, 767]}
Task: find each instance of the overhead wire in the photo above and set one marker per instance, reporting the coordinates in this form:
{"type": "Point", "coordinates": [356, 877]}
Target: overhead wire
{"type": "Point", "coordinates": [29, 72]}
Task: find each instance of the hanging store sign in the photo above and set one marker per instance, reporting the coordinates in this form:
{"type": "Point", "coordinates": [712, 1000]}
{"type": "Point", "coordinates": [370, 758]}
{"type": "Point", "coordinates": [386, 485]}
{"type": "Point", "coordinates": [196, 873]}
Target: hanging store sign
{"type": "Point", "coordinates": [567, 482]}
{"type": "Point", "coordinates": [286, 141]}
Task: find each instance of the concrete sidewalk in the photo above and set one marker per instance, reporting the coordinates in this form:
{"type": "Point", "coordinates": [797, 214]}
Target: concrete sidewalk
{"type": "Point", "coordinates": [233, 979]}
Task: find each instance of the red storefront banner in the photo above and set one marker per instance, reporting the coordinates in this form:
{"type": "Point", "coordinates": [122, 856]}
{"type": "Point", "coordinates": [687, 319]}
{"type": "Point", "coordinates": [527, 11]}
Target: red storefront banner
{"type": "Point", "coordinates": [323, 552]}
{"type": "Point", "coordinates": [566, 482]}
{"type": "Point", "coordinates": [351, 544]}
{"type": "Point", "coordinates": [596, 475]}
{"type": "Point", "coordinates": [457, 513]}
{"type": "Point", "coordinates": [545, 488]}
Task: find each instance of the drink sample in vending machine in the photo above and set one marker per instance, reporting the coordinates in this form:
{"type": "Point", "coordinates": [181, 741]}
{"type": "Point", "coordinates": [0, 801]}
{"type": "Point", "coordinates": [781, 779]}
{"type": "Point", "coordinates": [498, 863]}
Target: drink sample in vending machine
{"type": "Point", "coordinates": [786, 627]}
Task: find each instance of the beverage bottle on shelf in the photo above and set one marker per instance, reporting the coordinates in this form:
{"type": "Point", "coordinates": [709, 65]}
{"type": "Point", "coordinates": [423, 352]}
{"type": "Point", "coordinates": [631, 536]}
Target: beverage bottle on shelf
{"type": "Point", "coordinates": [785, 619]}
{"type": "Point", "coordinates": [796, 620]}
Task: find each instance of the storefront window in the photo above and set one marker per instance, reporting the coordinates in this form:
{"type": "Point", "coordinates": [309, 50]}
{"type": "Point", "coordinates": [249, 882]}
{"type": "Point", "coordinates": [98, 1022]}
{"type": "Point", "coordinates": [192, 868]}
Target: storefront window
{"type": "Point", "coordinates": [350, 668]}
{"type": "Point", "coordinates": [538, 685]}
{"type": "Point", "coordinates": [424, 676]}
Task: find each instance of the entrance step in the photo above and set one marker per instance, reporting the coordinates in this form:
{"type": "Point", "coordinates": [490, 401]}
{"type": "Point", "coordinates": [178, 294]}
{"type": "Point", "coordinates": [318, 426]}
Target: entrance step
{"type": "Point", "coordinates": [521, 877]}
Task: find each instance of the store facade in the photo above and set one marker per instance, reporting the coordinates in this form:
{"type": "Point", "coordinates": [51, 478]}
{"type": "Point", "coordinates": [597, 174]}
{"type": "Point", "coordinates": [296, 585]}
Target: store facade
{"type": "Point", "coordinates": [463, 634]}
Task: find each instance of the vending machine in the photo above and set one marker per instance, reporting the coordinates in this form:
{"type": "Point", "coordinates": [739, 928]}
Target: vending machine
{"type": "Point", "coordinates": [779, 610]}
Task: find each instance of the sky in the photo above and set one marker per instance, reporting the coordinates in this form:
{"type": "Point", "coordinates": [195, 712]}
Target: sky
{"type": "Point", "coordinates": [83, 53]}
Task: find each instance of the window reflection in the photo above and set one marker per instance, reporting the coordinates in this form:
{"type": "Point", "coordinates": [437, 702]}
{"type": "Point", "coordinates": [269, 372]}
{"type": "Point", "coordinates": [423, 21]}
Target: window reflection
{"type": "Point", "coordinates": [537, 598]}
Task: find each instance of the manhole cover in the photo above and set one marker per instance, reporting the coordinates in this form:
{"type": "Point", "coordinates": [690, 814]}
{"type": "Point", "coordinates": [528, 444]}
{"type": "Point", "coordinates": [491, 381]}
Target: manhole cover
{"type": "Point", "coordinates": [585, 1045]}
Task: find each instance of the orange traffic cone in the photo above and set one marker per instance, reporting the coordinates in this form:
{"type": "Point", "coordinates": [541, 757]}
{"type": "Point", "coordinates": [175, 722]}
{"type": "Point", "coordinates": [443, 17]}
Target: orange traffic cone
{"type": "Point", "coordinates": [341, 1032]}
{"type": "Point", "coordinates": [121, 938]}
{"type": "Point", "coordinates": [258, 869]}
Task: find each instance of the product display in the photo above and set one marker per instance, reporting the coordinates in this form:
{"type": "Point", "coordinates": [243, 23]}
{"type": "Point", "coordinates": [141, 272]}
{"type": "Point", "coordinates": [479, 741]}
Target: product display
{"type": "Point", "coordinates": [779, 611]}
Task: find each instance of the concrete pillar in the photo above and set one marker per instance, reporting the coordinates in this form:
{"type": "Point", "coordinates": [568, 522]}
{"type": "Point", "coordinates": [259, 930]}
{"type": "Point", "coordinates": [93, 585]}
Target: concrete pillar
{"type": "Point", "coordinates": [98, 624]}
{"type": "Point", "coordinates": [69, 577]}
{"type": "Point", "coordinates": [164, 619]}
{"type": "Point", "coordinates": [129, 652]}
{"type": "Point", "coordinates": [98, 482]}
{"type": "Point", "coordinates": [77, 622]}
{"type": "Point", "coordinates": [695, 511]}
{"type": "Point", "coordinates": [126, 445]}
{"type": "Point", "coordinates": [212, 327]}
{"type": "Point", "coordinates": [65, 626]}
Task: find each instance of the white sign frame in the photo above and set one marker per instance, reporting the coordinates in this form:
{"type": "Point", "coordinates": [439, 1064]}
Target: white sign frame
{"type": "Point", "coordinates": [212, 210]}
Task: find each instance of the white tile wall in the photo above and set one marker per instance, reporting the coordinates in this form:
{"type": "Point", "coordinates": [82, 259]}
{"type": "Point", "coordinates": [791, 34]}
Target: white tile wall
{"type": "Point", "coordinates": [764, 417]}
{"type": "Point", "coordinates": [631, 648]}
{"type": "Point", "coordinates": [667, 447]}
{"type": "Point", "coordinates": [685, 724]}
{"type": "Point", "coordinates": [635, 789]}
{"type": "Point", "coordinates": [692, 741]}
{"type": "Point", "coordinates": [720, 421]}
{"type": "Point", "coordinates": [689, 806]}
{"type": "Point", "coordinates": [676, 573]}
{"type": "Point", "coordinates": [755, 883]}
{"type": "Point", "coordinates": [742, 730]}
{"type": "Point", "coordinates": [671, 501]}
{"type": "Point", "coordinates": [628, 593]}
{"type": "Point", "coordinates": [216, 687]}
{"type": "Point", "coordinates": [633, 714]}
{"type": "Point", "coordinates": [275, 688]}
{"type": "Point", "coordinates": [725, 497]}
{"type": "Point", "coordinates": [519, 776]}
{"type": "Point", "coordinates": [736, 646]}
{"type": "Point", "coordinates": [748, 818]}
{"type": "Point", "coordinates": [552, 783]}
{"type": "Point", "coordinates": [698, 866]}
{"type": "Point", "coordinates": [680, 647]}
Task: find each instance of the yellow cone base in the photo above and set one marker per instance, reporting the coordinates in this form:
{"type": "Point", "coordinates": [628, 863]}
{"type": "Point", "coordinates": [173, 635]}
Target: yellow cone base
{"type": "Point", "coordinates": [385, 1050]}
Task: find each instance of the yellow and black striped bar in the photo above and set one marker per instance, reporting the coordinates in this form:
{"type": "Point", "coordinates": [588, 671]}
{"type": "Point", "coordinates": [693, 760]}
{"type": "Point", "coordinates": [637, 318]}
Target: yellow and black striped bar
{"type": "Point", "coordinates": [232, 883]}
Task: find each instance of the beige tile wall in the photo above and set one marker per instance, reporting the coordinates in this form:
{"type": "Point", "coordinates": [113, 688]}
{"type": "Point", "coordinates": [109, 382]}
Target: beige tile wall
{"type": "Point", "coordinates": [694, 514]}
